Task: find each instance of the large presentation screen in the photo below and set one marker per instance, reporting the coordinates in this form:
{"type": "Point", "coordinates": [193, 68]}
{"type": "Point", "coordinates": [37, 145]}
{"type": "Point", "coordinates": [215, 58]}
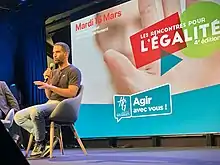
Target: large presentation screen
{"type": "Point", "coordinates": [149, 67]}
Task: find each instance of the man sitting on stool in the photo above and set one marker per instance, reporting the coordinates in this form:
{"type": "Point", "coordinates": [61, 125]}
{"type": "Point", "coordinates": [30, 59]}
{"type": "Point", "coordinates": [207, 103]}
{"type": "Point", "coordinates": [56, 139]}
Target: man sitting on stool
{"type": "Point", "coordinates": [62, 83]}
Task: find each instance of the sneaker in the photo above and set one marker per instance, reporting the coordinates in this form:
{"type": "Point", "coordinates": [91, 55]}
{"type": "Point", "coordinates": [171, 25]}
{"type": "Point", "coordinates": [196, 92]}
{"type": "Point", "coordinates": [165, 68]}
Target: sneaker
{"type": "Point", "coordinates": [38, 149]}
{"type": "Point", "coordinates": [46, 151]}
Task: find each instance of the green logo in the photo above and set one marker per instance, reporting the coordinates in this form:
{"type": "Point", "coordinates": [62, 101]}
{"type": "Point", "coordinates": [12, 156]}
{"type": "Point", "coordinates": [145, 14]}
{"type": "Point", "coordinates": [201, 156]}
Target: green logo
{"type": "Point", "coordinates": [201, 26]}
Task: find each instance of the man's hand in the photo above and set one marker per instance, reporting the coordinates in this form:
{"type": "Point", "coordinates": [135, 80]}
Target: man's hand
{"type": "Point", "coordinates": [69, 92]}
{"type": "Point", "coordinates": [126, 78]}
{"type": "Point", "coordinates": [42, 85]}
{"type": "Point", "coordinates": [47, 74]}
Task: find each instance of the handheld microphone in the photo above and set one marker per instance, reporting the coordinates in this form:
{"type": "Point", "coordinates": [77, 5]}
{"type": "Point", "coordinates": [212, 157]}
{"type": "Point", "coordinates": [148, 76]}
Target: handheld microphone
{"type": "Point", "coordinates": [51, 67]}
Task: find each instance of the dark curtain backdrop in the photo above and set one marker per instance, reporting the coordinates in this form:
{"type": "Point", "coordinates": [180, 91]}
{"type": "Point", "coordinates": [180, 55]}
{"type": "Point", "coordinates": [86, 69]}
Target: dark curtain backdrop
{"type": "Point", "coordinates": [8, 44]}
{"type": "Point", "coordinates": [23, 54]}
{"type": "Point", "coordinates": [30, 58]}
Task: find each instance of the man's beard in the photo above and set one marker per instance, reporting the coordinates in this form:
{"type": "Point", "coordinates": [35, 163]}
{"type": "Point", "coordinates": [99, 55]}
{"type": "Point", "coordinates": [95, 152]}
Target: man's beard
{"type": "Point", "coordinates": [58, 62]}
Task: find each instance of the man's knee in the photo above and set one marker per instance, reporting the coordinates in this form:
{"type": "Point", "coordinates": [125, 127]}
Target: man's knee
{"type": "Point", "coordinates": [35, 113]}
{"type": "Point", "coordinates": [19, 118]}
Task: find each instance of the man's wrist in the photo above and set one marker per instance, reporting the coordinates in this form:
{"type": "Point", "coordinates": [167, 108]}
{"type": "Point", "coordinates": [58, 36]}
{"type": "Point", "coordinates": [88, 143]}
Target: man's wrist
{"type": "Point", "coordinates": [51, 87]}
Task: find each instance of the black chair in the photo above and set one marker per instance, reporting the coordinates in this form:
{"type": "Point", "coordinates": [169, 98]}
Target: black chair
{"type": "Point", "coordinates": [65, 114]}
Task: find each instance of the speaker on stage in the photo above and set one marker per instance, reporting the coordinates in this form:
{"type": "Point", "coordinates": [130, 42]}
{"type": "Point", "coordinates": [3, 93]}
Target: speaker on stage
{"type": "Point", "coordinates": [10, 154]}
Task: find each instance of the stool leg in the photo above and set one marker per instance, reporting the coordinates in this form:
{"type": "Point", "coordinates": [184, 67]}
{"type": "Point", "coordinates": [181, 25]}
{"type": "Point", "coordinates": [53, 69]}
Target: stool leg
{"type": "Point", "coordinates": [51, 138]}
{"type": "Point", "coordinates": [29, 144]}
{"type": "Point", "coordinates": [61, 141]}
{"type": "Point", "coordinates": [78, 139]}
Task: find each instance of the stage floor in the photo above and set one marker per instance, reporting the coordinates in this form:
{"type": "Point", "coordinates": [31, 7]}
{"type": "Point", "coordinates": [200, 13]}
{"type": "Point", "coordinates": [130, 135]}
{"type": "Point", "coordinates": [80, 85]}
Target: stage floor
{"type": "Point", "coordinates": [146, 156]}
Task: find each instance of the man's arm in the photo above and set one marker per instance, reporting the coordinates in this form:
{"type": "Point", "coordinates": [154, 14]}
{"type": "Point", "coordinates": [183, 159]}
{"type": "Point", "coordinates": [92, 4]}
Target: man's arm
{"type": "Point", "coordinates": [73, 85]}
{"type": "Point", "coordinates": [12, 102]}
{"type": "Point", "coordinates": [69, 92]}
{"type": "Point", "coordinates": [48, 74]}
{"type": "Point", "coordinates": [48, 91]}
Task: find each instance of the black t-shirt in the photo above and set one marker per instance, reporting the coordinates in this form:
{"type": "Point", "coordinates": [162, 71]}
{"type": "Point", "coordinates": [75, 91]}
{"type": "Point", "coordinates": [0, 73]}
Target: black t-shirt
{"type": "Point", "coordinates": [63, 78]}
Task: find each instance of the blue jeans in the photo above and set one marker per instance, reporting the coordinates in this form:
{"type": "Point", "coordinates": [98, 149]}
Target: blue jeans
{"type": "Point", "coordinates": [32, 118]}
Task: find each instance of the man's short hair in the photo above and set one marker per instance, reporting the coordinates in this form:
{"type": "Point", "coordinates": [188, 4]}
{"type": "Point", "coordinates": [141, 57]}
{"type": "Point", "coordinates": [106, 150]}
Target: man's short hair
{"type": "Point", "coordinates": [65, 47]}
